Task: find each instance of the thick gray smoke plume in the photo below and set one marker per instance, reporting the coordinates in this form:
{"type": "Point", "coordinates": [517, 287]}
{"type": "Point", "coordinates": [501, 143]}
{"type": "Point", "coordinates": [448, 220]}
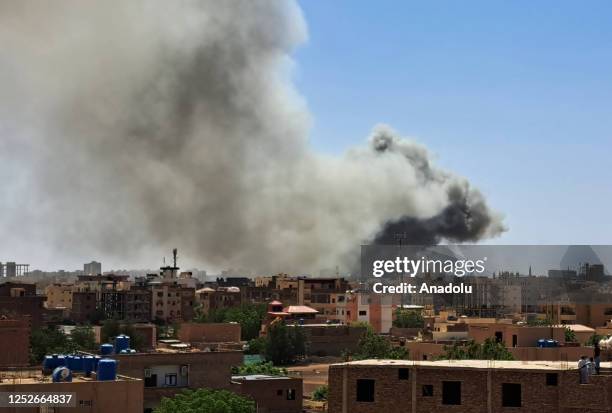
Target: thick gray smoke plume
{"type": "Point", "coordinates": [131, 126]}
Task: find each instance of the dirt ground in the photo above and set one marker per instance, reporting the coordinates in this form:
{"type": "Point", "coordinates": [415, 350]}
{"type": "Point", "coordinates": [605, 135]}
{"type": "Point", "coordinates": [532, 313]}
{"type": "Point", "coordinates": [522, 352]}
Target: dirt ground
{"type": "Point", "coordinates": [313, 375]}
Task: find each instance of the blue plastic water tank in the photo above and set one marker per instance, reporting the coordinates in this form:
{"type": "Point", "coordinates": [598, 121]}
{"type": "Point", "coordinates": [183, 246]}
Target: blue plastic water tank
{"type": "Point", "coordinates": [88, 364]}
{"type": "Point", "coordinates": [77, 363]}
{"type": "Point", "coordinates": [106, 349]}
{"type": "Point", "coordinates": [551, 343]}
{"type": "Point", "coordinates": [541, 343]}
{"type": "Point", "coordinates": [96, 360]}
{"type": "Point", "coordinates": [107, 370]}
{"type": "Point", "coordinates": [61, 374]}
{"type": "Point", "coordinates": [70, 361]}
{"type": "Point", "coordinates": [49, 363]}
{"type": "Point", "coordinates": [122, 342]}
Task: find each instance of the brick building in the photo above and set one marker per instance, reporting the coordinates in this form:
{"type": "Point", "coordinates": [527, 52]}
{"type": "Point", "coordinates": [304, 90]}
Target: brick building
{"type": "Point", "coordinates": [272, 394]}
{"type": "Point", "coordinates": [124, 394]}
{"type": "Point", "coordinates": [14, 342]}
{"type": "Point", "coordinates": [83, 306]}
{"type": "Point", "coordinates": [331, 339]}
{"type": "Point", "coordinates": [167, 372]}
{"type": "Point", "coordinates": [21, 299]}
{"type": "Point", "coordinates": [465, 386]}
{"type": "Point", "coordinates": [209, 333]}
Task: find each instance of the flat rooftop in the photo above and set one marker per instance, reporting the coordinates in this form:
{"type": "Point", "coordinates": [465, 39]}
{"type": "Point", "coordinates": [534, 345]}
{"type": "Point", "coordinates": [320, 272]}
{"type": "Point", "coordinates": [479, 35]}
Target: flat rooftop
{"type": "Point", "coordinates": [472, 364]}
{"type": "Point", "coordinates": [256, 377]}
{"type": "Point", "coordinates": [9, 378]}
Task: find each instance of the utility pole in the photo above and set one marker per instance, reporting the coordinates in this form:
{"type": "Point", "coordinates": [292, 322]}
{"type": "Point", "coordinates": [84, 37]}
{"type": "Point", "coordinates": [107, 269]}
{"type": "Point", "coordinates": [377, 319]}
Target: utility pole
{"type": "Point", "coordinates": [401, 236]}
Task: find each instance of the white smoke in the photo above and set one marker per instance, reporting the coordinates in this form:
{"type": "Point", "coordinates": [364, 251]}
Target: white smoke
{"type": "Point", "coordinates": [131, 125]}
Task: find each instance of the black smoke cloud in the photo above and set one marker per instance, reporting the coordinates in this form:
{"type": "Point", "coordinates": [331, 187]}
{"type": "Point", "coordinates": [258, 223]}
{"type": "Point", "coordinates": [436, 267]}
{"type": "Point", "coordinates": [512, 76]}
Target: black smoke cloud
{"type": "Point", "coordinates": [465, 219]}
{"type": "Point", "coordinates": [128, 128]}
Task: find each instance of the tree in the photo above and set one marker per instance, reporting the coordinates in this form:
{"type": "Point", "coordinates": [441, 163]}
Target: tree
{"type": "Point", "coordinates": [284, 344]}
{"type": "Point", "coordinates": [488, 350]}
{"type": "Point", "coordinates": [541, 322]}
{"type": "Point", "coordinates": [595, 338]}
{"type": "Point", "coordinates": [83, 337]}
{"type": "Point", "coordinates": [96, 316]}
{"type": "Point", "coordinates": [570, 336]}
{"type": "Point", "coordinates": [320, 393]}
{"type": "Point", "coordinates": [256, 346]}
{"type": "Point", "coordinates": [249, 316]}
{"type": "Point", "coordinates": [112, 328]}
{"type": "Point", "coordinates": [408, 319]}
{"type": "Point", "coordinates": [49, 340]}
{"type": "Point", "coordinates": [375, 346]}
{"type": "Point", "coordinates": [206, 401]}
{"type": "Point", "coordinates": [266, 368]}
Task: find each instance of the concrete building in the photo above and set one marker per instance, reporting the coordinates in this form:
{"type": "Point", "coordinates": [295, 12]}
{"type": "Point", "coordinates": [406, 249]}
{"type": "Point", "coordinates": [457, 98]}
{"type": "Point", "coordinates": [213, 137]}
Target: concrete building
{"type": "Point", "coordinates": [464, 386]}
{"type": "Point", "coordinates": [216, 299]}
{"type": "Point", "coordinates": [171, 302]}
{"type": "Point", "coordinates": [59, 295]}
{"type": "Point", "coordinates": [12, 269]}
{"type": "Point", "coordinates": [512, 335]}
{"type": "Point", "coordinates": [272, 394]}
{"type": "Point", "coordinates": [131, 305]}
{"type": "Point", "coordinates": [322, 294]}
{"type": "Point", "coordinates": [92, 268]}
{"type": "Point", "coordinates": [124, 394]}
{"type": "Point", "coordinates": [375, 309]}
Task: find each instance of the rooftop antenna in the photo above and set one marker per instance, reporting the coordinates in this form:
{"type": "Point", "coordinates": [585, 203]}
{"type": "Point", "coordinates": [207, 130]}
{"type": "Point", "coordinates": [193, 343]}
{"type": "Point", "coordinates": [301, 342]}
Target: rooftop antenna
{"type": "Point", "coordinates": [175, 254]}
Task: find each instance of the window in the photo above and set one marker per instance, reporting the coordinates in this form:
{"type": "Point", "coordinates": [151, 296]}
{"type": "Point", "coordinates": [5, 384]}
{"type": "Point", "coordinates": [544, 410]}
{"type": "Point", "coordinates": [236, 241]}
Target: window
{"type": "Point", "coordinates": [290, 394]}
{"type": "Point", "coordinates": [279, 392]}
{"type": "Point", "coordinates": [451, 392]}
{"type": "Point", "coordinates": [552, 379]}
{"type": "Point", "coordinates": [365, 390]}
{"type": "Point", "coordinates": [403, 374]}
{"type": "Point", "coordinates": [428, 390]}
{"type": "Point", "coordinates": [363, 312]}
{"type": "Point", "coordinates": [151, 381]}
{"type": "Point", "coordinates": [511, 395]}
{"type": "Point", "coordinates": [170, 380]}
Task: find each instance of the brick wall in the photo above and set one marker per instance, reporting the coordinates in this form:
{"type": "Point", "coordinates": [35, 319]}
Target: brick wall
{"type": "Point", "coordinates": [14, 342]}
{"type": "Point", "coordinates": [481, 390]}
{"type": "Point", "coordinates": [209, 332]}
{"type": "Point", "coordinates": [271, 395]}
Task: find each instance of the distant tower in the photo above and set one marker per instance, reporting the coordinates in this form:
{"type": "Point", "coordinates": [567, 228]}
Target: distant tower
{"type": "Point", "coordinates": [530, 270]}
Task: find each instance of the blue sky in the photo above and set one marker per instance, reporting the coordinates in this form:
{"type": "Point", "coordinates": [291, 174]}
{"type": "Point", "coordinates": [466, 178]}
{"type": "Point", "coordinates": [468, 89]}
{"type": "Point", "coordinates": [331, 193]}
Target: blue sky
{"type": "Point", "coordinates": [516, 96]}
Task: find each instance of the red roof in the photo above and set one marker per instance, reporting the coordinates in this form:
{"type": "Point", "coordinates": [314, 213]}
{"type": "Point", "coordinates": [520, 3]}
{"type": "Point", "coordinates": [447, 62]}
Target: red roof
{"type": "Point", "coordinates": [277, 313]}
{"type": "Point", "coordinates": [299, 309]}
